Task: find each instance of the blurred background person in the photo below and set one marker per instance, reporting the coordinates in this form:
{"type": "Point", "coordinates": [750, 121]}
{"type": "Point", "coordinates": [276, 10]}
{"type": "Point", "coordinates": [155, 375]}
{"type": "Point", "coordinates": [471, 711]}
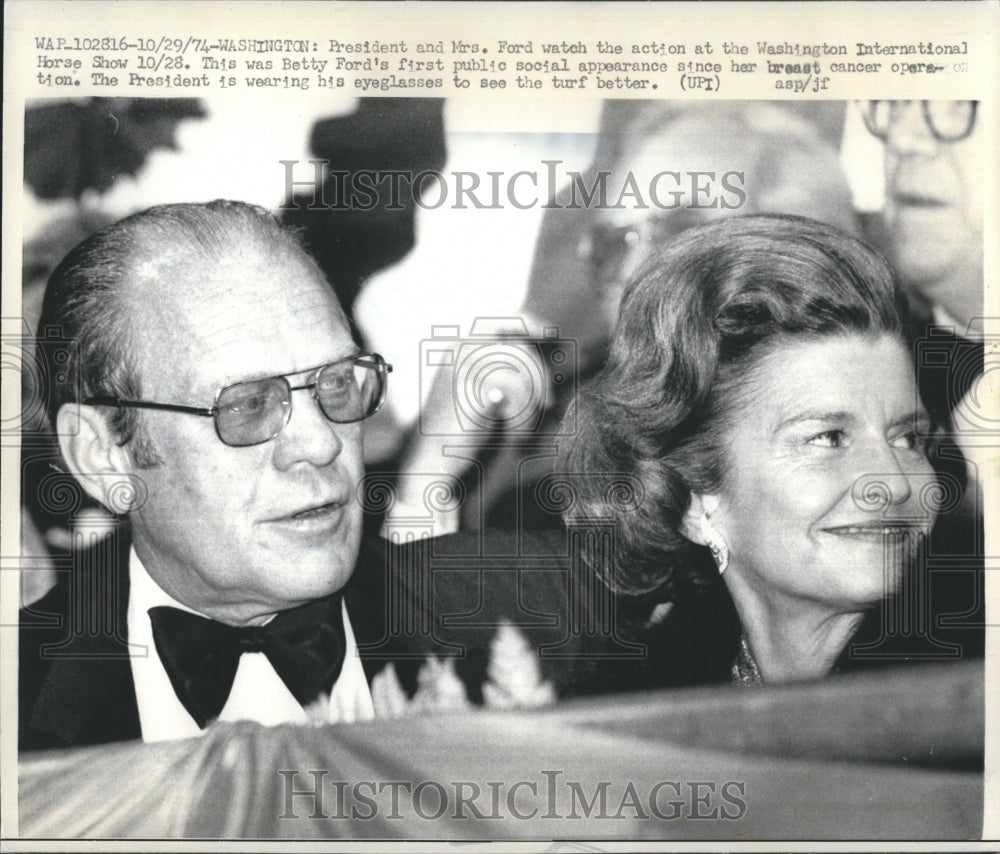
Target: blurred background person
{"type": "Point", "coordinates": [782, 164]}
{"type": "Point", "coordinates": [934, 191]}
{"type": "Point", "coordinates": [932, 230]}
{"type": "Point", "coordinates": [779, 160]}
{"type": "Point", "coordinates": [783, 484]}
{"type": "Point", "coordinates": [933, 220]}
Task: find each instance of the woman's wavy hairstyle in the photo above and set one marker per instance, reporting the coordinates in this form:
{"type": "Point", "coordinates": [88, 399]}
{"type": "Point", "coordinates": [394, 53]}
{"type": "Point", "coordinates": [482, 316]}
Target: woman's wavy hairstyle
{"type": "Point", "coordinates": [694, 324]}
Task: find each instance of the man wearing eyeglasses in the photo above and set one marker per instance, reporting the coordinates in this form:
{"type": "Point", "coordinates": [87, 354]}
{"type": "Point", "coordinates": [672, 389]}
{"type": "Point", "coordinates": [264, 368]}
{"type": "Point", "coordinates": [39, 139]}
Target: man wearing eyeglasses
{"type": "Point", "coordinates": [215, 396]}
{"type": "Point", "coordinates": [934, 174]}
{"type": "Point", "coordinates": [935, 180]}
{"type": "Point", "coordinates": [933, 216]}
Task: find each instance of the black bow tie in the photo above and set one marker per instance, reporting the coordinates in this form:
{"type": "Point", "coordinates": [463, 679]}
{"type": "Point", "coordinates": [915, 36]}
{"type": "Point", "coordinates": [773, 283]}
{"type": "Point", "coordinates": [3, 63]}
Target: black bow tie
{"type": "Point", "coordinates": [305, 646]}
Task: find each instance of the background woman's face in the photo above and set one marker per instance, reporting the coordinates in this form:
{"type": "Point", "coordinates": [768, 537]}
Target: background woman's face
{"type": "Point", "coordinates": [823, 457]}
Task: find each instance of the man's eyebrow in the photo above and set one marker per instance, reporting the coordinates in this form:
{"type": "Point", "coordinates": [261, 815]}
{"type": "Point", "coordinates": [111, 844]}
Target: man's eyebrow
{"type": "Point", "coordinates": [353, 351]}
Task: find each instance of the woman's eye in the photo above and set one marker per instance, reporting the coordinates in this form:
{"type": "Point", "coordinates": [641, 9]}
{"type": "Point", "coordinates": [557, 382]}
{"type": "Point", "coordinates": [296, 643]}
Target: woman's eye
{"type": "Point", "coordinates": [828, 439]}
{"type": "Point", "coordinates": [912, 441]}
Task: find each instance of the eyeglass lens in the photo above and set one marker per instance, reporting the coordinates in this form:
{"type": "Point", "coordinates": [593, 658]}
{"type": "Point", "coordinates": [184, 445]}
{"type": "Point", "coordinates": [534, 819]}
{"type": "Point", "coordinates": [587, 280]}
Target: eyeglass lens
{"type": "Point", "coordinates": [252, 412]}
{"type": "Point", "coordinates": [947, 120]}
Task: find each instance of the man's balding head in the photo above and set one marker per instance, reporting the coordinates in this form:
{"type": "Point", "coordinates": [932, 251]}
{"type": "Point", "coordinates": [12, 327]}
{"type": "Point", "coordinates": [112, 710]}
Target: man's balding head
{"type": "Point", "coordinates": [109, 289]}
{"type": "Point", "coordinates": [170, 308]}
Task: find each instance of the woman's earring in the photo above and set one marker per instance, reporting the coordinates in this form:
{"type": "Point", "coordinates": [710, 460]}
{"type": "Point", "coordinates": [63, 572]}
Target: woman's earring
{"type": "Point", "coordinates": [716, 543]}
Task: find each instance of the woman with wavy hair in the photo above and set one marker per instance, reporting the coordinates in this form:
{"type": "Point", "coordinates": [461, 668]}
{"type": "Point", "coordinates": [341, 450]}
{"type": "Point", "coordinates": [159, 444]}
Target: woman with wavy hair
{"type": "Point", "coordinates": [760, 395]}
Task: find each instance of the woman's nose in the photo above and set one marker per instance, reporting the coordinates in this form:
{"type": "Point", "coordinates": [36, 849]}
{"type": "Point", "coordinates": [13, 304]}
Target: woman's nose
{"type": "Point", "coordinates": [882, 481]}
{"type": "Point", "coordinates": [901, 487]}
{"type": "Point", "coordinates": [878, 491]}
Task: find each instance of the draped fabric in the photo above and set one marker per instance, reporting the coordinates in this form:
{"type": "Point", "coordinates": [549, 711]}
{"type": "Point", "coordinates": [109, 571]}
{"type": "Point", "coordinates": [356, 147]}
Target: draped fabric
{"type": "Point", "coordinates": [895, 755]}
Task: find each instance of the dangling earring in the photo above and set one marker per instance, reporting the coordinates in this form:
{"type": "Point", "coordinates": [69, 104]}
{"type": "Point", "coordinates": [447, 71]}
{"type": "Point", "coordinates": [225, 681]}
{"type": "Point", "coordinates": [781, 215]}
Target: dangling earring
{"type": "Point", "coordinates": [716, 543]}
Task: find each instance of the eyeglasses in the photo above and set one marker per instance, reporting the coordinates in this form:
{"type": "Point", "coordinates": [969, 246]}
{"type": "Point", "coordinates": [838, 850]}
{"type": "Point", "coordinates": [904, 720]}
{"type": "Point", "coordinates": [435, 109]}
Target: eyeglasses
{"type": "Point", "coordinates": [948, 121]}
{"type": "Point", "coordinates": [607, 247]}
{"type": "Point", "coordinates": [255, 411]}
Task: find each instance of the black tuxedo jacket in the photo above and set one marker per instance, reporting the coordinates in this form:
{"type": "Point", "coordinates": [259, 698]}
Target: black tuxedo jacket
{"type": "Point", "coordinates": [445, 597]}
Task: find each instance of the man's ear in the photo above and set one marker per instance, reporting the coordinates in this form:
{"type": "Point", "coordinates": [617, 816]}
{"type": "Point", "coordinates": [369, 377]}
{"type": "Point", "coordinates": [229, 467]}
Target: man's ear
{"type": "Point", "coordinates": [702, 507]}
{"type": "Point", "coordinates": [92, 454]}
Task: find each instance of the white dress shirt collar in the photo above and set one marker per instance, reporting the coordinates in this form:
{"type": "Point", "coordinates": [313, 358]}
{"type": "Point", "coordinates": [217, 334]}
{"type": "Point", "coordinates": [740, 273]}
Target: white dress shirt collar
{"type": "Point", "coordinates": [258, 692]}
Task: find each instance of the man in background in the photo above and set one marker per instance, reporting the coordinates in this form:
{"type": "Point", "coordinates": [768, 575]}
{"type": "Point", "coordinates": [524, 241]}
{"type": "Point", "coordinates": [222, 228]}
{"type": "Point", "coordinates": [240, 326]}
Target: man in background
{"type": "Point", "coordinates": [933, 220]}
{"type": "Point", "coordinates": [934, 189]}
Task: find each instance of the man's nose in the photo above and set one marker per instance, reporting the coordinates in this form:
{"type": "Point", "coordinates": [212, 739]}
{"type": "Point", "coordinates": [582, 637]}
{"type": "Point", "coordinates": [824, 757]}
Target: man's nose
{"type": "Point", "coordinates": [309, 436]}
{"type": "Point", "coordinates": [908, 131]}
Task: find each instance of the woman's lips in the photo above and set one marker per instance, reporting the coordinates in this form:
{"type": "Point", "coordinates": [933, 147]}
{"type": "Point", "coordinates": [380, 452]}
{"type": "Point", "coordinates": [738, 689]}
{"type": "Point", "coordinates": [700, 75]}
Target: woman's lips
{"type": "Point", "coordinates": [876, 531]}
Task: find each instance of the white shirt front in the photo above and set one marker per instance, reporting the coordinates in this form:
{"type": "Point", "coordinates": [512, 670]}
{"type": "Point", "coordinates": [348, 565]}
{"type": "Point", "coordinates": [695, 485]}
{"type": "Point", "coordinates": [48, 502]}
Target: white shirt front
{"type": "Point", "coordinates": [258, 693]}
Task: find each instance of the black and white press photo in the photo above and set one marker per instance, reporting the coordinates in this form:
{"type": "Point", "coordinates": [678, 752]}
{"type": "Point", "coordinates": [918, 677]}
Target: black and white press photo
{"type": "Point", "coordinates": [446, 432]}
